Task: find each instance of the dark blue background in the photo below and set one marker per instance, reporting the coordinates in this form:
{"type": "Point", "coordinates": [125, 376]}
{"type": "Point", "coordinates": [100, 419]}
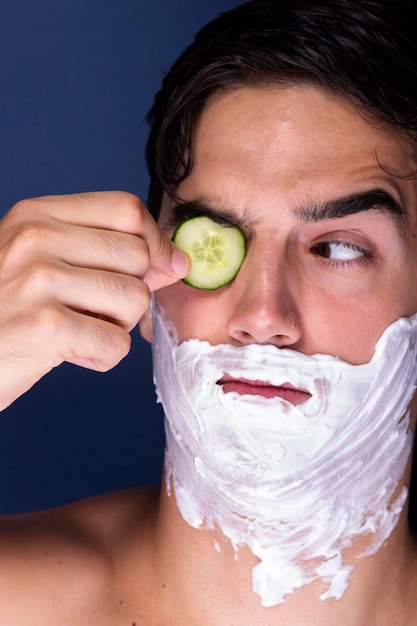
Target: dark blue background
{"type": "Point", "coordinates": [77, 78]}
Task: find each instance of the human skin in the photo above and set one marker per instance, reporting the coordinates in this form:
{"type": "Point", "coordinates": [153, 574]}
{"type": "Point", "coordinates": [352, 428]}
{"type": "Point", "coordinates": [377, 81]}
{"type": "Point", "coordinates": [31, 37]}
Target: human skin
{"type": "Point", "coordinates": [261, 154]}
{"type": "Point", "coordinates": [75, 277]}
{"type": "Point", "coordinates": [129, 558]}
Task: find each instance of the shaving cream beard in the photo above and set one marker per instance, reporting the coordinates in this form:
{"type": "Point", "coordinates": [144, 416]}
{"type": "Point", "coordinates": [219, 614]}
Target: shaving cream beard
{"type": "Point", "coordinates": [296, 484]}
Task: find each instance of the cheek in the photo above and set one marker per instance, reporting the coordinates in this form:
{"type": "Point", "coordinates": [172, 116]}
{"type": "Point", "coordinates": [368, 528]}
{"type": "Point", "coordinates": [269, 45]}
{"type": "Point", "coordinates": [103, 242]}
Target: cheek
{"type": "Point", "coordinates": [347, 330]}
{"type": "Point", "coordinates": [195, 313]}
{"type": "Point", "coordinates": [346, 317]}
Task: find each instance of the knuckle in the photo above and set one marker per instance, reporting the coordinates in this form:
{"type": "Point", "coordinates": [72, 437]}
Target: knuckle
{"type": "Point", "coordinates": [25, 209]}
{"type": "Point", "coordinates": [163, 246]}
{"type": "Point", "coordinates": [48, 321]}
{"type": "Point", "coordinates": [140, 302]}
{"type": "Point", "coordinates": [32, 334]}
{"type": "Point", "coordinates": [143, 296]}
{"type": "Point", "coordinates": [32, 233]}
{"type": "Point", "coordinates": [130, 298]}
{"type": "Point", "coordinates": [110, 341]}
{"type": "Point", "coordinates": [140, 256]}
{"type": "Point", "coordinates": [39, 278]}
{"type": "Point", "coordinates": [24, 241]}
{"type": "Point", "coordinates": [132, 211]}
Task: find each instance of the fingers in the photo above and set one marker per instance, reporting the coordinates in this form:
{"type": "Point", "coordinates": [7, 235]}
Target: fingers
{"type": "Point", "coordinates": [156, 277]}
{"type": "Point", "coordinates": [109, 210]}
{"type": "Point", "coordinates": [75, 277]}
{"type": "Point", "coordinates": [55, 334]}
{"type": "Point", "coordinates": [101, 224]}
{"type": "Point", "coordinates": [75, 246]}
{"type": "Point", "coordinates": [120, 298]}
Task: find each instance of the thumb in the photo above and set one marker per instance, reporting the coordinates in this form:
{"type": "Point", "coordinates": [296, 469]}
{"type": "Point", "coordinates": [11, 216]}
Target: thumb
{"type": "Point", "coordinates": [166, 267]}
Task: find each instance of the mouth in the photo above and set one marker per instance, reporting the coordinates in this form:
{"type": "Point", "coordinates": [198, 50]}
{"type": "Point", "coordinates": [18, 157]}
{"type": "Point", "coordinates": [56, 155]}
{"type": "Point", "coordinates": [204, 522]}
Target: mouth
{"type": "Point", "coordinates": [242, 386]}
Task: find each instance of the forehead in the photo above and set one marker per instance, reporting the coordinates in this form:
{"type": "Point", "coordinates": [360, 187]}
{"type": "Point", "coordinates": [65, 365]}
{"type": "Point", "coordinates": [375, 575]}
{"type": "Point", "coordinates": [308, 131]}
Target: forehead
{"type": "Point", "coordinates": [254, 145]}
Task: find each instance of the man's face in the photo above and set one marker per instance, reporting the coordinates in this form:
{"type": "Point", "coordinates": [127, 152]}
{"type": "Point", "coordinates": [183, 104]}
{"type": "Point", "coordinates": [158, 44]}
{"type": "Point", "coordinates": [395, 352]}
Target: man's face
{"type": "Point", "coordinates": [329, 211]}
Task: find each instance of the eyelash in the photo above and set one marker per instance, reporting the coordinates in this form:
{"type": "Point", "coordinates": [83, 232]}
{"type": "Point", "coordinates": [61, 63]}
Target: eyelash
{"type": "Point", "coordinates": [362, 261]}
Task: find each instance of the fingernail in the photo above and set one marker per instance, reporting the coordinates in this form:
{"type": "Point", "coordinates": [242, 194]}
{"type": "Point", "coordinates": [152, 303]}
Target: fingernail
{"type": "Point", "coordinates": [180, 263]}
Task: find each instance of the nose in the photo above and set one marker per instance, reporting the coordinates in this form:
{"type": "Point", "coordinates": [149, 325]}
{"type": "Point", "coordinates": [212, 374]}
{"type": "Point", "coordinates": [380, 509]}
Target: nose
{"type": "Point", "coordinates": [264, 304]}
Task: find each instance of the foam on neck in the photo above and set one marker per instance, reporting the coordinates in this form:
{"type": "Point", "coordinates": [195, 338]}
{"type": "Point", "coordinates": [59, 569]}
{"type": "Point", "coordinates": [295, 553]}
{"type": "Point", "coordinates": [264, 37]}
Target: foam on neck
{"type": "Point", "coordinates": [296, 484]}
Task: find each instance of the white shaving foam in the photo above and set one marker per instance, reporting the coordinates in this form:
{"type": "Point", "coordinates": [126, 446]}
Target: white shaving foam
{"type": "Point", "coordinates": [296, 484]}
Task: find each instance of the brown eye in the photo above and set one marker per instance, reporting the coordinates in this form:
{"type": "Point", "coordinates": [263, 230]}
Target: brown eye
{"type": "Point", "coordinates": [322, 249]}
{"type": "Point", "coordinates": [339, 250]}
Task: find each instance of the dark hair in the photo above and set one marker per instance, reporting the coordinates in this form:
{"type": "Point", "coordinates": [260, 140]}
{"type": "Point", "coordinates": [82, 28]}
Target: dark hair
{"type": "Point", "coordinates": [362, 49]}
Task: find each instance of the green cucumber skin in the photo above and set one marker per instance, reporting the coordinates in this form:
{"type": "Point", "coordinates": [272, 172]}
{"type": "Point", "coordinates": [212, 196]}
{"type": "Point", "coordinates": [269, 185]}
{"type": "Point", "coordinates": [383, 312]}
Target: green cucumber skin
{"type": "Point", "coordinates": [205, 287]}
{"type": "Point", "coordinates": [189, 232]}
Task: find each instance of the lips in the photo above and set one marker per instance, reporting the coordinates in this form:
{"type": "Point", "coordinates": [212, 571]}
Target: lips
{"type": "Point", "coordinates": [243, 386]}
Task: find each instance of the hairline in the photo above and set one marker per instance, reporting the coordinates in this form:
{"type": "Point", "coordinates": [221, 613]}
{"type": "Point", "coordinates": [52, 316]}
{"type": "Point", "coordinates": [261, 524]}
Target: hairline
{"type": "Point", "coordinates": [287, 82]}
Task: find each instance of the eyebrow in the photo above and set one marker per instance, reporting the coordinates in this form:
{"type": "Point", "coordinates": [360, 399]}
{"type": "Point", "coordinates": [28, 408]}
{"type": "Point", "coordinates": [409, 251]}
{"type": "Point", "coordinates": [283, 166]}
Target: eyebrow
{"type": "Point", "coordinates": [196, 208]}
{"type": "Point", "coordinates": [337, 208]}
{"type": "Point", "coordinates": [374, 200]}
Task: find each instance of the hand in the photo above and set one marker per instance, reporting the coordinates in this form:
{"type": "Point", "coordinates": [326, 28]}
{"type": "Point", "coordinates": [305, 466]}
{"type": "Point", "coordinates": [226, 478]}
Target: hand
{"type": "Point", "coordinates": [76, 274]}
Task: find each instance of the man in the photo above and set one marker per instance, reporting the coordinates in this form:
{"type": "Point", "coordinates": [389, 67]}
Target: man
{"type": "Point", "coordinates": [289, 392]}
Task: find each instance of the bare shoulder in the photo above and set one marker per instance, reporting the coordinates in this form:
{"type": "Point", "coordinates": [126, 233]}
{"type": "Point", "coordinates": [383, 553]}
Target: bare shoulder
{"type": "Point", "coordinates": [71, 555]}
{"type": "Point", "coordinates": [97, 519]}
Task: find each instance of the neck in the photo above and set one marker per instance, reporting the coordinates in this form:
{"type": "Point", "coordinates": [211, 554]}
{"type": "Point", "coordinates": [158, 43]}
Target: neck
{"type": "Point", "coordinates": [305, 496]}
{"type": "Point", "coordinates": [297, 485]}
{"type": "Point", "coordinates": [214, 584]}
{"type": "Point", "coordinates": [297, 531]}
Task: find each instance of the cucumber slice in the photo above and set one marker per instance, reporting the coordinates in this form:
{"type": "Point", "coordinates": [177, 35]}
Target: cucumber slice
{"type": "Point", "coordinates": [216, 251]}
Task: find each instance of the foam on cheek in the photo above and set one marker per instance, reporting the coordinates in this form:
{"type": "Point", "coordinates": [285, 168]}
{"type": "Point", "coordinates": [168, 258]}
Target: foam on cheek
{"type": "Point", "coordinates": [297, 484]}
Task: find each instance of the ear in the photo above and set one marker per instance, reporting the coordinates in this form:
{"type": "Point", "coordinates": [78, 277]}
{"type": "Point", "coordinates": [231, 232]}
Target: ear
{"type": "Point", "coordinates": [145, 326]}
